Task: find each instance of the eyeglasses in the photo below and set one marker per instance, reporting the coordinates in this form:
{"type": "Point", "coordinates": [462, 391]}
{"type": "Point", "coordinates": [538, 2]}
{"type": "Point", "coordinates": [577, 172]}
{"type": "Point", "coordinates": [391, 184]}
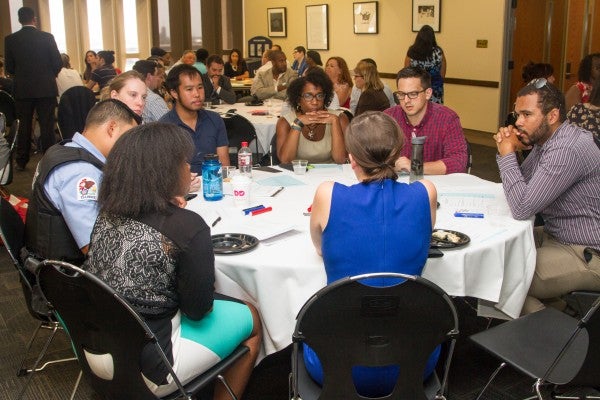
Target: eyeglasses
{"type": "Point", "coordinates": [399, 96]}
{"type": "Point", "coordinates": [357, 76]}
{"type": "Point", "coordinates": [311, 97]}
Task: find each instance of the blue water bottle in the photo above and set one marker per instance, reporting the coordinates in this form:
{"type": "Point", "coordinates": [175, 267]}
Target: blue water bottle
{"type": "Point", "coordinates": [212, 178]}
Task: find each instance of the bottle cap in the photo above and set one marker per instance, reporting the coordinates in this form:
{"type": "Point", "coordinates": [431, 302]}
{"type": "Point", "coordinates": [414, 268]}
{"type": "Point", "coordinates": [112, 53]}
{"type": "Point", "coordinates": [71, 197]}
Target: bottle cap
{"type": "Point", "coordinates": [244, 144]}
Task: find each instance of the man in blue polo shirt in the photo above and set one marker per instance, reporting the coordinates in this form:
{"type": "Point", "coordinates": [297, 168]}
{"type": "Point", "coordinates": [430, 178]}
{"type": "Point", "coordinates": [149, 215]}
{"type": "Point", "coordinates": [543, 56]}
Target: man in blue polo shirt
{"type": "Point", "coordinates": [206, 128]}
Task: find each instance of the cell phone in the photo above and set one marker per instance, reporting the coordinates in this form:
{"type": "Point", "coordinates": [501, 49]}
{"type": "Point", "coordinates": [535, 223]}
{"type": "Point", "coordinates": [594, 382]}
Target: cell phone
{"type": "Point", "coordinates": [190, 196]}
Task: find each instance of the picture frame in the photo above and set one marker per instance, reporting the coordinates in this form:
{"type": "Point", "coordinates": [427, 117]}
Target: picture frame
{"type": "Point", "coordinates": [366, 18]}
{"type": "Point", "coordinates": [426, 12]}
{"type": "Point", "coordinates": [277, 22]}
{"type": "Point", "coordinates": [317, 27]}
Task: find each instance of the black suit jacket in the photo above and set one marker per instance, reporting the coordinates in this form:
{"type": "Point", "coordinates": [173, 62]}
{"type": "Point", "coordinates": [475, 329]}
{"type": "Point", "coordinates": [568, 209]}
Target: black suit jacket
{"type": "Point", "coordinates": [227, 94]}
{"type": "Point", "coordinates": [32, 57]}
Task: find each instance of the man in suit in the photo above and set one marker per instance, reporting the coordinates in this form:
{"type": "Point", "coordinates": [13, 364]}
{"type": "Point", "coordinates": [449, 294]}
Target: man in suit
{"type": "Point", "coordinates": [217, 87]}
{"type": "Point", "coordinates": [33, 59]}
{"type": "Point", "coordinates": [273, 83]}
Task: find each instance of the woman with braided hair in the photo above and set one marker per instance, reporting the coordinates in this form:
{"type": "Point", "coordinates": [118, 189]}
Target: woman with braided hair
{"type": "Point", "coordinates": [376, 225]}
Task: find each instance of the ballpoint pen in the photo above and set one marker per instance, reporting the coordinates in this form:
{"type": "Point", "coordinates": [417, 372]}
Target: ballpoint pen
{"type": "Point", "coordinates": [216, 221]}
{"type": "Point", "coordinates": [277, 192]}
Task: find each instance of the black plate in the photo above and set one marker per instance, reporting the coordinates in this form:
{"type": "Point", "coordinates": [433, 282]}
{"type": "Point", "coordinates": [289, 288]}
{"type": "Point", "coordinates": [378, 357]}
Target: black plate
{"type": "Point", "coordinates": [253, 103]}
{"type": "Point", "coordinates": [447, 244]}
{"type": "Point", "coordinates": [233, 243]}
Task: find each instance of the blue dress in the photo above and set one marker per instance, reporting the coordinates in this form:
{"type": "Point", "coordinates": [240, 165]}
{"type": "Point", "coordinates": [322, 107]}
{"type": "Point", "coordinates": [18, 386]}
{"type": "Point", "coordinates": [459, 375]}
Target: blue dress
{"type": "Point", "coordinates": [381, 226]}
{"type": "Point", "coordinates": [433, 65]}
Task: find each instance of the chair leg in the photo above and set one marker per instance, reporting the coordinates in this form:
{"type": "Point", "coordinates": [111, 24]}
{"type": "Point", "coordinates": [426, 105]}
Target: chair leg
{"type": "Point", "coordinates": [224, 382]}
{"type": "Point", "coordinates": [537, 385]}
{"type": "Point", "coordinates": [54, 327]}
{"type": "Point", "coordinates": [37, 361]}
{"type": "Point", "coordinates": [490, 380]}
{"type": "Point", "coordinates": [22, 370]}
{"type": "Point", "coordinates": [76, 385]}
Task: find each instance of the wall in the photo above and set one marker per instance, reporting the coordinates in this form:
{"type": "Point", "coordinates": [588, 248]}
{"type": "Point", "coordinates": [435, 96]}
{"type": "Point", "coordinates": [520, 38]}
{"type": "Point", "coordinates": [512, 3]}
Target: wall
{"type": "Point", "coordinates": [463, 22]}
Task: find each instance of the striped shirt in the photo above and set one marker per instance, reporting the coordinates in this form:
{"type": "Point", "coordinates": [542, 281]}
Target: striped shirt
{"type": "Point", "coordinates": [445, 139]}
{"type": "Point", "coordinates": [561, 180]}
{"type": "Point", "coordinates": [155, 107]}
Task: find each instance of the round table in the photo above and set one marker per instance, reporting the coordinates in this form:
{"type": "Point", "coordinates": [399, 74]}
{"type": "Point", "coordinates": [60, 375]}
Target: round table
{"type": "Point", "coordinates": [284, 270]}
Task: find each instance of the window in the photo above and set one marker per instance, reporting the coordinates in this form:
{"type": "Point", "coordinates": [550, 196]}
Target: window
{"type": "Point", "coordinates": [95, 25]}
{"type": "Point", "coordinates": [132, 48]}
{"type": "Point", "coordinates": [57, 24]}
{"type": "Point", "coordinates": [14, 6]}
{"type": "Point", "coordinates": [196, 24]}
{"type": "Point", "coordinates": [164, 26]}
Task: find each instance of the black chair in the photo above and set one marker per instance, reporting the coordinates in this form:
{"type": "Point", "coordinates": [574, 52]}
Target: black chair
{"type": "Point", "coordinates": [6, 170]}
{"type": "Point", "coordinates": [270, 158]}
{"type": "Point", "coordinates": [549, 346]}
{"type": "Point", "coordinates": [73, 108]}
{"type": "Point", "coordinates": [12, 230]}
{"type": "Point", "coordinates": [469, 157]}
{"type": "Point", "coordinates": [100, 321]}
{"type": "Point", "coordinates": [348, 323]}
{"type": "Point", "coordinates": [239, 130]}
{"type": "Point", "coordinates": [7, 107]}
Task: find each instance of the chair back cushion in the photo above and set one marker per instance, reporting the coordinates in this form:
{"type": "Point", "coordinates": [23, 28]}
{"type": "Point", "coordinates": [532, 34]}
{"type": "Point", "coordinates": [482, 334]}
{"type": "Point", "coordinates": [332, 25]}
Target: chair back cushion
{"type": "Point", "coordinates": [351, 324]}
{"type": "Point", "coordinates": [73, 108]}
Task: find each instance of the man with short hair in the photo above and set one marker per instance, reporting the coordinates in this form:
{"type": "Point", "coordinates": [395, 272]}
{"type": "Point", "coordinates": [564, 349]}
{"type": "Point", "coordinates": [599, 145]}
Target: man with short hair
{"type": "Point", "coordinates": [163, 55]}
{"type": "Point", "coordinates": [274, 81]}
{"type": "Point", "coordinates": [155, 106]}
{"type": "Point", "coordinates": [206, 128]}
{"type": "Point", "coordinates": [63, 205]}
{"type": "Point", "coordinates": [445, 149]}
{"type": "Point", "coordinates": [32, 58]}
{"type": "Point", "coordinates": [560, 179]}
{"type": "Point", "coordinates": [217, 87]}
{"type": "Point", "coordinates": [299, 65]}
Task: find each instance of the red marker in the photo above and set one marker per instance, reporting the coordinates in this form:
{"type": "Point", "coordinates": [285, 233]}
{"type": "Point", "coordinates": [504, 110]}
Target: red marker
{"type": "Point", "coordinates": [262, 210]}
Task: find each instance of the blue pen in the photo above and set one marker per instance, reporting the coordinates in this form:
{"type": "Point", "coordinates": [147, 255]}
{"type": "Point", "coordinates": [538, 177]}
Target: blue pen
{"type": "Point", "coordinates": [249, 210]}
{"type": "Point", "coordinates": [468, 215]}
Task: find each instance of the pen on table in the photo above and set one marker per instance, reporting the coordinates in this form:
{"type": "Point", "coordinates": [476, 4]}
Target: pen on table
{"type": "Point", "coordinates": [468, 215]}
{"type": "Point", "coordinates": [262, 210]}
{"type": "Point", "coordinates": [277, 192]}
{"type": "Point", "coordinates": [247, 211]}
{"type": "Point", "coordinates": [216, 221]}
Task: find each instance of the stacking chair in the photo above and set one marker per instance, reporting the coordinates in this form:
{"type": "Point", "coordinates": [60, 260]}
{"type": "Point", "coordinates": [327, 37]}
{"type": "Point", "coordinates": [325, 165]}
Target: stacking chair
{"type": "Point", "coordinates": [12, 231]}
{"type": "Point", "coordinates": [270, 158]}
{"type": "Point", "coordinates": [239, 130]}
{"type": "Point", "coordinates": [6, 170]}
{"type": "Point", "coordinates": [100, 321]}
{"type": "Point", "coordinates": [549, 346]}
{"type": "Point", "coordinates": [7, 107]}
{"type": "Point", "coordinates": [348, 324]}
{"type": "Point", "coordinates": [73, 108]}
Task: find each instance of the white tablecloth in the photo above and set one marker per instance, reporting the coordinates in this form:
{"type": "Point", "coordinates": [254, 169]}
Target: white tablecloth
{"type": "Point", "coordinates": [264, 124]}
{"type": "Point", "coordinates": [278, 277]}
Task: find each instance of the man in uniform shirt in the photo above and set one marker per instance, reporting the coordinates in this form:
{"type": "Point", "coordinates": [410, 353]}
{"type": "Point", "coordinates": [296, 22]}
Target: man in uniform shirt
{"type": "Point", "coordinates": [445, 149]}
{"type": "Point", "coordinates": [63, 206]}
{"type": "Point", "coordinates": [560, 179]}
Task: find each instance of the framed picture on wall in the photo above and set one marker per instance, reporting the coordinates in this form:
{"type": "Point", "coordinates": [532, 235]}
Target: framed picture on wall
{"type": "Point", "coordinates": [317, 28]}
{"type": "Point", "coordinates": [365, 17]}
{"type": "Point", "coordinates": [277, 23]}
{"type": "Point", "coordinates": [426, 12]}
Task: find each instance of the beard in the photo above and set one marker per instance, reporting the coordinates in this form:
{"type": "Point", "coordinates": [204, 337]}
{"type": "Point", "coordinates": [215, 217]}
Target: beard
{"type": "Point", "coordinates": [540, 133]}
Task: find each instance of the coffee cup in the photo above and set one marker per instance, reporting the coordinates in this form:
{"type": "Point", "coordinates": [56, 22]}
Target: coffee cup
{"type": "Point", "coordinates": [241, 186]}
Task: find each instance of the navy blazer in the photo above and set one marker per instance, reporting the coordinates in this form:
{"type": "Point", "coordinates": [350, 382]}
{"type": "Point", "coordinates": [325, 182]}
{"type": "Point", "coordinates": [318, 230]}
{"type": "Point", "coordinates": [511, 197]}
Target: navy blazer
{"type": "Point", "coordinates": [33, 59]}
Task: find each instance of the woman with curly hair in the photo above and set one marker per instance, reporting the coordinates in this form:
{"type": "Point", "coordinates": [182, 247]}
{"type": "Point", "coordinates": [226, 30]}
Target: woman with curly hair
{"type": "Point", "coordinates": [310, 130]}
{"type": "Point", "coordinates": [426, 54]}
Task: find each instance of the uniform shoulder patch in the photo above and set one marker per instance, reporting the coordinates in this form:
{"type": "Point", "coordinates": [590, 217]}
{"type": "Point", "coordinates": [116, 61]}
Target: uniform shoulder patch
{"type": "Point", "coordinates": [87, 189]}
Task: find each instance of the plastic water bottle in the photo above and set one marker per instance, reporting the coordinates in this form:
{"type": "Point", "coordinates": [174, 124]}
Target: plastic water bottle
{"type": "Point", "coordinates": [245, 160]}
{"type": "Point", "coordinates": [416, 161]}
{"type": "Point", "coordinates": [212, 178]}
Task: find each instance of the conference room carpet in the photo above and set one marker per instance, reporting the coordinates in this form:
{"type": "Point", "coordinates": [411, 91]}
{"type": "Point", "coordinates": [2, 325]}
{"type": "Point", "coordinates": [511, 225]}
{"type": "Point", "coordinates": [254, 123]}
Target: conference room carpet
{"type": "Point", "coordinates": [470, 368]}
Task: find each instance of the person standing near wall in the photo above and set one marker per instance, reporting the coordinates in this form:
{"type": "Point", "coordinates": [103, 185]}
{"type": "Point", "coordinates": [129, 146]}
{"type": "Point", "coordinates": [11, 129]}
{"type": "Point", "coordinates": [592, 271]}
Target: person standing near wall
{"type": "Point", "coordinates": [425, 53]}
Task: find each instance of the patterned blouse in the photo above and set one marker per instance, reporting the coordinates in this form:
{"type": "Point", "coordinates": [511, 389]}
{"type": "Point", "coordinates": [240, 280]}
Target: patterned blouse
{"type": "Point", "coordinates": [585, 117]}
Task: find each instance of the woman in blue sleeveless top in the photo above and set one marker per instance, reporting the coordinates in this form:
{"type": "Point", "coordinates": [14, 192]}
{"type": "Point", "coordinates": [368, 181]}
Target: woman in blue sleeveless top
{"type": "Point", "coordinates": [377, 225]}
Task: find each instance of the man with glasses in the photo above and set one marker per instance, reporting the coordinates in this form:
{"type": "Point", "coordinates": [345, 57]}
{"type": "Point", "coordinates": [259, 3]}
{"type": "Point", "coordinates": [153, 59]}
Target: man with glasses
{"type": "Point", "coordinates": [445, 149]}
{"type": "Point", "coordinates": [217, 87]}
{"type": "Point", "coordinates": [155, 106]}
{"type": "Point", "coordinates": [299, 65]}
{"type": "Point", "coordinates": [560, 179]}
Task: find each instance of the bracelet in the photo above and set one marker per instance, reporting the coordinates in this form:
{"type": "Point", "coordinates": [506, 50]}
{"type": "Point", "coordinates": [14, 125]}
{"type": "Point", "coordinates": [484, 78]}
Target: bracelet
{"type": "Point", "coordinates": [296, 127]}
{"type": "Point", "coordinates": [299, 123]}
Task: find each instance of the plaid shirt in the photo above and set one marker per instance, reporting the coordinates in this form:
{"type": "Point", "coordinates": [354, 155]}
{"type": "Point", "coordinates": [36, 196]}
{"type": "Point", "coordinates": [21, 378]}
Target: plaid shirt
{"type": "Point", "coordinates": [445, 139]}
